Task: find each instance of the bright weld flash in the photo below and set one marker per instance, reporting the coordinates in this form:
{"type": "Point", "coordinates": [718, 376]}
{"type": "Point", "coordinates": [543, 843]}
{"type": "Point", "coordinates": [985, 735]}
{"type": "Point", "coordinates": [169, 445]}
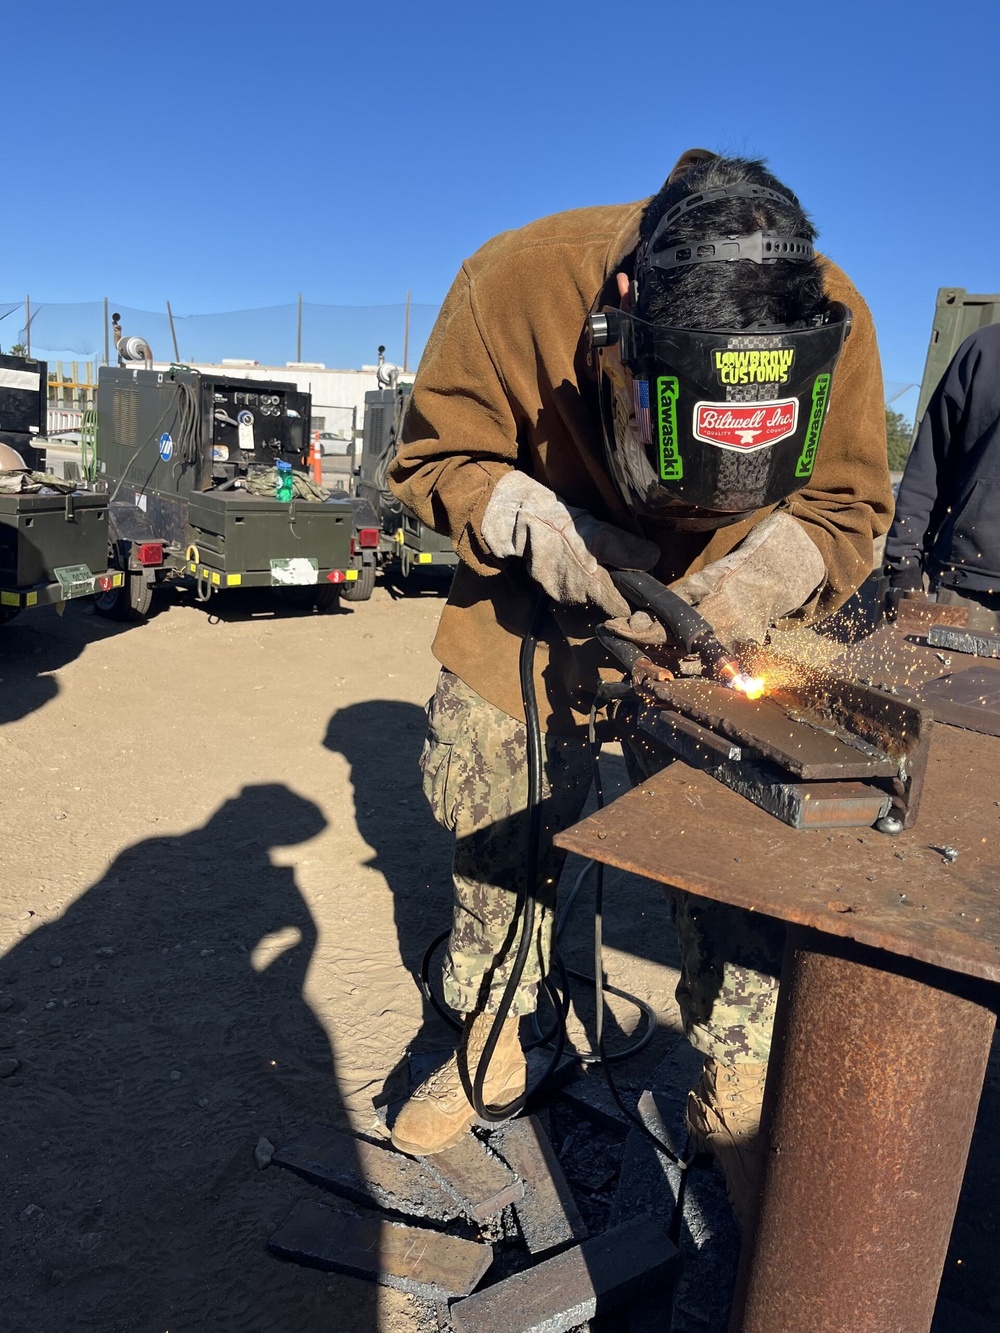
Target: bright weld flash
{"type": "Point", "coordinates": [751, 686]}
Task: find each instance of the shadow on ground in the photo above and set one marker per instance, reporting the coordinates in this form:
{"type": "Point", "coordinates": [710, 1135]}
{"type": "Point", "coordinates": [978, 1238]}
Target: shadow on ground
{"type": "Point", "coordinates": [160, 1030]}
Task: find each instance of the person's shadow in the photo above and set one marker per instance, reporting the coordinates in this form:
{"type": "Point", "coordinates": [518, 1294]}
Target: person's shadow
{"type": "Point", "coordinates": [381, 740]}
{"type": "Point", "coordinates": [150, 1038]}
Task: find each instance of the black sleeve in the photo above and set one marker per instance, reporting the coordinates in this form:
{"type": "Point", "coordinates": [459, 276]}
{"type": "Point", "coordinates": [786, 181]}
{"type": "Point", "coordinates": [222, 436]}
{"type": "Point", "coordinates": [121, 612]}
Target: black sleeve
{"type": "Point", "coordinates": [925, 492]}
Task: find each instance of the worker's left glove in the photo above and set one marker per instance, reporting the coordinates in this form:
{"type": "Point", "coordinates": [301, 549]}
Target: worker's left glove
{"type": "Point", "coordinates": [565, 549]}
{"type": "Point", "coordinates": [774, 570]}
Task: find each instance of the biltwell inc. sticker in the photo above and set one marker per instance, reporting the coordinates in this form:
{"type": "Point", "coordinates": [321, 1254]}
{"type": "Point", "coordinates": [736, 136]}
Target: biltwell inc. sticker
{"type": "Point", "coordinates": [745, 426]}
{"type": "Point", "coordinates": [757, 366]}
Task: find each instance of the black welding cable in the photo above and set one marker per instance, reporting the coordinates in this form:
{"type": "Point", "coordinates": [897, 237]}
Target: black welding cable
{"type": "Point", "coordinates": [528, 886]}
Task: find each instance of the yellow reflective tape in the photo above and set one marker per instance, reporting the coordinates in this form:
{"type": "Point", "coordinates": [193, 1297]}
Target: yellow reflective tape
{"type": "Point", "coordinates": [351, 574]}
{"type": "Point", "coordinates": [9, 599]}
{"type": "Point", "coordinates": [192, 568]}
{"type": "Point", "coordinates": [31, 599]}
{"type": "Point", "coordinates": [215, 579]}
{"type": "Point", "coordinates": [233, 579]}
{"type": "Point", "coordinates": [117, 580]}
{"type": "Point", "coordinates": [424, 558]}
{"type": "Point", "coordinates": [400, 536]}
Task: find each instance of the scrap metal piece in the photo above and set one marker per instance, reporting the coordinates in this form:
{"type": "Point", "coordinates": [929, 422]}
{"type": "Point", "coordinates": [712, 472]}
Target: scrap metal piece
{"type": "Point", "coordinates": [977, 642]}
{"type": "Point", "coordinates": [412, 1259]}
{"type": "Point", "coordinates": [916, 615]}
{"type": "Point", "coordinates": [562, 1292]}
{"type": "Point", "coordinates": [475, 1177]}
{"type": "Point", "coordinates": [548, 1216]}
{"type": "Point", "coordinates": [686, 738]}
{"type": "Point", "coordinates": [969, 698]}
{"type": "Point", "coordinates": [366, 1173]}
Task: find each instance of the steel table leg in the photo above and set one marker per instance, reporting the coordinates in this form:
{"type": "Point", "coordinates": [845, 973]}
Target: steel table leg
{"type": "Point", "coordinates": [876, 1073]}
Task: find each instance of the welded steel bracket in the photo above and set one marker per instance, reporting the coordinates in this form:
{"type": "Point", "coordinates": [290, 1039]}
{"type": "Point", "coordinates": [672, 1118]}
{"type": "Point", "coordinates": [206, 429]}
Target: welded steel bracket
{"type": "Point", "coordinates": [819, 751]}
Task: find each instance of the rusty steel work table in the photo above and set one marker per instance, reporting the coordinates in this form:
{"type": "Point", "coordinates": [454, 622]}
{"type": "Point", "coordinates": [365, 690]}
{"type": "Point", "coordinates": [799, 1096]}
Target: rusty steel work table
{"type": "Point", "coordinates": [883, 1030]}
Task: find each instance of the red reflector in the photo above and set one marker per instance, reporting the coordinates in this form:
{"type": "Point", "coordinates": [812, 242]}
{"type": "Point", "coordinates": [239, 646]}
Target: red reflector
{"type": "Point", "coordinates": [336, 576]}
{"type": "Point", "coordinates": [368, 536]}
{"type": "Point", "coordinates": [150, 553]}
{"type": "Point", "coordinates": [105, 582]}
{"type": "Point", "coordinates": [353, 546]}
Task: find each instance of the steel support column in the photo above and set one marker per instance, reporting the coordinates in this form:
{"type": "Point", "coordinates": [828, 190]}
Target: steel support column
{"type": "Point", "coordinates": [877, 1070]}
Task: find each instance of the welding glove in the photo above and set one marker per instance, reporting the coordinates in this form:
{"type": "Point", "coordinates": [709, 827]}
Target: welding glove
{"type": "Point", "coordinates": [564, 549]}
{"type": "Point", "coordinates": [774, 570]}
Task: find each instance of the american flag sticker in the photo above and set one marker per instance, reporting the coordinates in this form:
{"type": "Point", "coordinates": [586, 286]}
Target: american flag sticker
{"type": "Point", "coordinates": [640, 401]}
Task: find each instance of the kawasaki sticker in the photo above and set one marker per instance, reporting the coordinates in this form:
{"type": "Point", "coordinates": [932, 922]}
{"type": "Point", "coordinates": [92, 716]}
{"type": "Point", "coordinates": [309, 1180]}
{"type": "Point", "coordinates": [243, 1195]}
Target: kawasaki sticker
{"type": "Point", "coordinates": [745, 426]}
{"type": "Point", "coordinates": [671, 463]}
{"type": "Point", "coordinates": [807, 458]}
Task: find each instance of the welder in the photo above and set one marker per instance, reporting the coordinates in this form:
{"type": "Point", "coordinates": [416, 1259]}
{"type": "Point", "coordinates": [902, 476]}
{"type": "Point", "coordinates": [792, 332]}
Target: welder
{"type": "Point", "coordinates": [667, 386]}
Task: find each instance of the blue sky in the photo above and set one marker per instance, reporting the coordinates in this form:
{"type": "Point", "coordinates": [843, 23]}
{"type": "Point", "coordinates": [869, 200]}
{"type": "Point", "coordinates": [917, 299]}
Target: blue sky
{"type": "Point", "coordinates": [228, 156]}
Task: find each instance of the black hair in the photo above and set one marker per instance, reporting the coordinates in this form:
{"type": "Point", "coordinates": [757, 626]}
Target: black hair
{"type": "Point", "coordinates": [739, 294]}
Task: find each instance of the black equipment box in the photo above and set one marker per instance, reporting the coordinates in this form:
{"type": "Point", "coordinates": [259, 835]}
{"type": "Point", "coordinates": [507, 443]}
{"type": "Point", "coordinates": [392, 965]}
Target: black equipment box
{"type": "Point", "coordinates": [42, 536]}
{"type": "Point", "coordinates": [242, 534]}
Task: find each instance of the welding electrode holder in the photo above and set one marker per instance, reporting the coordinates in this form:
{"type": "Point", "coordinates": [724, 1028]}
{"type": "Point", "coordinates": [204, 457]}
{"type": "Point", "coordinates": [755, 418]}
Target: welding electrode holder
{"type": "Point", "coordinates": [682, 620]}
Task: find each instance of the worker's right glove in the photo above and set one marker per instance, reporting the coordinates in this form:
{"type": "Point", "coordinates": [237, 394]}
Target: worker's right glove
{"type": "Point", "coordinates": [772, 572]}
{"type": "Point", "coordinates": [564, 549]}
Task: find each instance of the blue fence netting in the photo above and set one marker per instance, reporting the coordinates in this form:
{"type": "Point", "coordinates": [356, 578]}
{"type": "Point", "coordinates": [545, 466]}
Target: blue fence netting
{"type": "Point", "coordinates": [341, 337]}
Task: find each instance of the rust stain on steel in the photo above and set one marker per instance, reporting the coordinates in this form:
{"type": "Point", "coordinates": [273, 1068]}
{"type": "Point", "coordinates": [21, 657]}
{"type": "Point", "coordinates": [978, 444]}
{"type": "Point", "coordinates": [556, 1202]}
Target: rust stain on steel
{"type": "Point", "coordinates": [868, 1123]}
{"type": "Point", "coordinates": [686, 830]}
{"type": "Point", "coordinates": [917, 615]}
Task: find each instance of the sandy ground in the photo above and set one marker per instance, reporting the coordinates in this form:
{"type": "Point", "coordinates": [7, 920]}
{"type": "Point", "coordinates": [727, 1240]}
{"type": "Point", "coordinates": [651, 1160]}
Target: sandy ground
{"type": "Point", "coordinates": [219, 876]}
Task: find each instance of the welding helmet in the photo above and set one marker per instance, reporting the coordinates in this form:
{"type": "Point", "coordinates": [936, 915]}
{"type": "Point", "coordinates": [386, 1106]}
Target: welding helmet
{"type": "Point", "coordinates": [709, 426]}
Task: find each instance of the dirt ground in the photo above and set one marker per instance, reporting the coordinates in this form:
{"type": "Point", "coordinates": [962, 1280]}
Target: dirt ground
{"type": "Point", "coordinates": [219, 876]}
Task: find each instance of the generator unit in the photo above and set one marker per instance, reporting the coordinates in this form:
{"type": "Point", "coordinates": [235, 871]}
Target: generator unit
{"type": "Point", "coordinates": [188, 460]}
{"type": "Point", "coordinates": [406, 546]}
{"type": "Point", "coordinates": [23, 406]}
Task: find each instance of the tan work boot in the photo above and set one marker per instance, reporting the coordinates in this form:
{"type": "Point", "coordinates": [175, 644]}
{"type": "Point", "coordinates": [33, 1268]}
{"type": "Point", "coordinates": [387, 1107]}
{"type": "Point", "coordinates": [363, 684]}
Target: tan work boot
{"type": "Point", "coordinates": [723, 1118]}
{"type": "Point", "coordinates": [440, 1111]}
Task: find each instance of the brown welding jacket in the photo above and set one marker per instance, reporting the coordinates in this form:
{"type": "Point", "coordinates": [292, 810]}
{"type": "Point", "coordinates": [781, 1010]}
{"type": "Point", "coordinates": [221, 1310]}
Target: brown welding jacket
{"type": "Point", "coordinates": [504, 383]}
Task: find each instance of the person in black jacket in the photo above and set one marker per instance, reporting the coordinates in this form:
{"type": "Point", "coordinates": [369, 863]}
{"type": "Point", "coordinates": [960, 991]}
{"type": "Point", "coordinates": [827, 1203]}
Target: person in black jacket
{"type": "Point", "coordinates": [947, 523]}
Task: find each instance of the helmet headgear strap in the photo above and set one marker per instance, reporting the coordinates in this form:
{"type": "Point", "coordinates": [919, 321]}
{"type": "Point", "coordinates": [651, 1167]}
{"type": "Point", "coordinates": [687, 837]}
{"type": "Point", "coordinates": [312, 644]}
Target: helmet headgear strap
{"type": "Point", "coordinates": [760, 247]}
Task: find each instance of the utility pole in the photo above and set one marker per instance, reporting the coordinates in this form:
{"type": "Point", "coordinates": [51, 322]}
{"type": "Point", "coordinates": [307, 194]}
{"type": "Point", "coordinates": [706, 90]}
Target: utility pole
{"type": "Point", "coordinates": [298, 340]}
{"type": "Point", "coordinates": [107, 348]}
{"type": "Point", "coordinates": [27, 325]}
{"type": "Point", "coordinates": [173, 334]}
{"type": "Point", "coordinates": [406, 336]}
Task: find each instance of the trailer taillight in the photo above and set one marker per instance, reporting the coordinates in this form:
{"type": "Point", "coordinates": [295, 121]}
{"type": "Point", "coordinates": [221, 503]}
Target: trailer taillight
{"type": "Point", "coordinates": [149, 553]}
{"type": "Point", "coordinates": [368, 537]}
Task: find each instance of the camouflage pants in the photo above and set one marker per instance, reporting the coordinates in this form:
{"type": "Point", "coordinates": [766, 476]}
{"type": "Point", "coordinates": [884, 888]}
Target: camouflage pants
{"type": "Point", "coordinates": [475, 778]}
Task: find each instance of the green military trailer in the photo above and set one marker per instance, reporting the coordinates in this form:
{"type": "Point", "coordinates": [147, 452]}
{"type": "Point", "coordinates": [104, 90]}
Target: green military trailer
{"type": "Point", "coordinates": [957, 314]}
{"type": "Point", "coordinates": [207, 477]}
{"type": "Point", "coordinates": [53, 536]}
{"type": "Point", "coordinates": [407, 547]}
